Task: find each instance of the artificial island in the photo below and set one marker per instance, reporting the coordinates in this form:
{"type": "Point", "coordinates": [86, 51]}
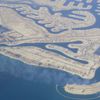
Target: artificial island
{"type": "Point", "coordinates": [24, 24]}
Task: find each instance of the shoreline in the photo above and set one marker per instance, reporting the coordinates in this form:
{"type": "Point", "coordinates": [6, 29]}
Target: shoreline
{"type": "Point", "coordinates": [44, 58]}
{"type": "Point", "coordinates": [82, 89]}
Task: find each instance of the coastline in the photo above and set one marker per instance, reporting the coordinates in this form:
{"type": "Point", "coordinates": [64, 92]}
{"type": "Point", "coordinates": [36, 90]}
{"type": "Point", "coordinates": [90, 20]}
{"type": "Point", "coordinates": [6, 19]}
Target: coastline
{"type": "Point", "coordinates": [42, 58]}
{"type": "Point", "coordinates": [82, 89]}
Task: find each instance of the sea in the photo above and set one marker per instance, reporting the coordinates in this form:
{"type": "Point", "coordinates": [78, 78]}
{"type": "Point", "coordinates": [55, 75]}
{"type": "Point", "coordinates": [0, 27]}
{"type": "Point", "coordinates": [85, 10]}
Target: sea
{"type": "Point", "coordinates": [20, 81]}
